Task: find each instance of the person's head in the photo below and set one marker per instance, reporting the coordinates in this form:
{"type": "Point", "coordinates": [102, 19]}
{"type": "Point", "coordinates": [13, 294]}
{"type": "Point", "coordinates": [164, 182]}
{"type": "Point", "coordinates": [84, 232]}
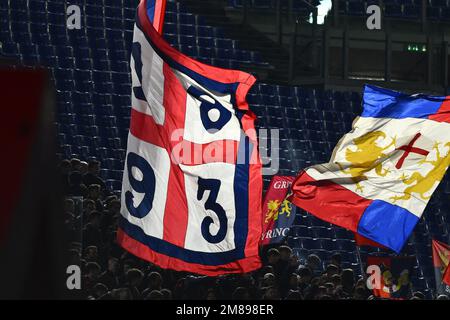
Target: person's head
{"type": "Point", "coordinates": [154, 295]}
{"type": "Point", "coordinates": [271, 293]}
{"type": "Point", "coordinates": [285, 253]}
{"type": "Point", "coordinates": [211, 294]}
{"type": "Point", "coordinates": [75, 178]}
{"type": "Point", "coordinates": [65, 166]}
{"type": "Point", "coordinates": [93, 270]}
{"type": "Point", "coordinates": [94, 191]}
{"type": "Point", "coordinates": [127, 265]}
{"type": "Point", "coordinates": [166, 293]}
{"type": "Point", "coordinates": [294, 295]}
{"type": "Point", "coordinates": [88, 206]}
{"type": "Point", "coordinates": [273, 256]}
{"type": "Point", "coordinates": [154, 280]}
{"type": "Point", "coordinates": [336, 259]}
{"type": "Point", "coordinates": [331, 270]}
{"type": "Point", "coordinates": [69, 206]}
{"type": "Point", "coordinates": [121, 294]}
{"type": "Point", "coordinates": [75, 164]}
{"type": "Point", "coordinates": [336, 279]}
{"type": "Point", "coordinates": [293, 281]}
{"type": "Point", "coordinates": [95, 218]}
{"type": "Point", "coordinates": [360, 294]}
{"type": "Point", "coordinates": [294, 261]}
{"type": "Point", "coordinates": [347, 278]}
{"type": "Point", "coordinates": [361, 283]}
{"type": "Point", "coordinates": [316, 281]}
{"type": "Point", "coordinates": [305, 275]}
{"type": "Point", "coordinates": [240, 293]}
{"type": "Point", "coordinates": [114, 206]}
{"type": "Point", "coordinates": [74, 256]}
{"type": "Point", "coordinates": [419, 295]}
{"type": "Point", "coordinates": [329, 288]}
{"type": "Point", "coordinates": [83, 167]}
{"type": "Point", "coordinates": [91, 253]}
{"type": "Point", "coordinates": [134, 277]}
{"type": "Point", "coordinates": [267, 269]}
{"type": "Point", "coordinates": [322, 290]}
{"type": "Point", "coordinates": [94, 167]}
{"type": "Point", "coordinates": [113, 265]}
{"type": "Point", "coordinates": [313, 261]}
{"type": "Point", "coordinates": [99, 290]}
{"type": "Point", "coordinates": [268, 280]}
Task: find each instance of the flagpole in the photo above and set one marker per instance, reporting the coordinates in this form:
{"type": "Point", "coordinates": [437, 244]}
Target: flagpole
{"type": "Point", "coordinates": [360, 262]}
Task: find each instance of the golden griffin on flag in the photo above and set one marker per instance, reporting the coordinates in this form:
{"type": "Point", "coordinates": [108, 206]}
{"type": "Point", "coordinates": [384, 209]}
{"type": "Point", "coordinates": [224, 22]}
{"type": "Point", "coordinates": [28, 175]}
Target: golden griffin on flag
{"type": "Point", "coordinates": [192, 184]}
{"type": "Point", "coordinates": [382, 174]}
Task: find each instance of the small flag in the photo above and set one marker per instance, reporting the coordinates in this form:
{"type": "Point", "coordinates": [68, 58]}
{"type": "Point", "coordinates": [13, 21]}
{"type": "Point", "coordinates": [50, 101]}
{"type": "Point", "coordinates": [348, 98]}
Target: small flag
{"type": "Point", "coordinates": [441, 258]}
{"type": "Point", "coordinates": [394, 278]}
{"type": "Point", "coordinates": [279, 213]}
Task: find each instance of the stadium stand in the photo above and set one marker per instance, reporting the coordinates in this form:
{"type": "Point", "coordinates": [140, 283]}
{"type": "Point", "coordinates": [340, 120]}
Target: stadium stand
{"type": "Point", "coordinates": [404, 9]}
{"type": "Point", "coordinates": [90, 69]}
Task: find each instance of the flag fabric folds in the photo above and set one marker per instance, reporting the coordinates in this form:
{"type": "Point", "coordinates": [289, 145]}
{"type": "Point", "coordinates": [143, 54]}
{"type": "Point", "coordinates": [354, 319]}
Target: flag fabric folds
{"type": "Point", "coordinates": [278, 212]}
{"type": "Point", "coordinates": [441, 258]}
{"type": "Point", "coordinates": [192, 185]}
{"type": "Point", "coordinates": [382, 173]}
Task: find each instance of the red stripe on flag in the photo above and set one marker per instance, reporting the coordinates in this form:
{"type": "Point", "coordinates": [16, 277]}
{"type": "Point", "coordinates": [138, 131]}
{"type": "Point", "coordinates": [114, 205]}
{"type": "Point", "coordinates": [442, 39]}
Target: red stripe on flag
{"type": "Point", "coordinates": [176, 212]}
{"type": "Point", "coordinates": [144, 127]}
{"type": "Point", "coordinates": [363, 241]}
{"type": "Point", "coordinates": [160, 11]}
{"type": "Point", "coordinates": [329, 201]}
{"type": "Point", "coordinates": [443, 114]}
{"type": "Point", "coordinates": [245, 265]}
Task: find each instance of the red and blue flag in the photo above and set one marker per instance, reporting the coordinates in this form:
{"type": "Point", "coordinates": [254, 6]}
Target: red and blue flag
{"type": "Point", "coordinates": [192, 185]}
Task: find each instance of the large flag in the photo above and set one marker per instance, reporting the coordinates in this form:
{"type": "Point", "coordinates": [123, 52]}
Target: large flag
{"type": "Point", "coordinates": [382, 173]}
{"type": "Point", "coordinates": [192, 185]}
{"type": "Point", "coordinates": [278, 212]}
{"type": "Point", "coordinates": [395, 277]}
{"type": "Point", "coordinates": [441, 258]}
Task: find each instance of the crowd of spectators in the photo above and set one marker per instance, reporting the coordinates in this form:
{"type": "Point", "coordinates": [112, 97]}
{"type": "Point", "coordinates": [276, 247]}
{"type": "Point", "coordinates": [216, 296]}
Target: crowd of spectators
{"type": "Point", "coordinates": [109, 272]}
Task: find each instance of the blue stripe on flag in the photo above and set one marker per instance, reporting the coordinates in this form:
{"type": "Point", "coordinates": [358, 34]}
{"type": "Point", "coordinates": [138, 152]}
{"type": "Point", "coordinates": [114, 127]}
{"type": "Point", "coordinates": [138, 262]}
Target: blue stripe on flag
{"type": "Point", "coordinates": [171, 250]}
{"type": "Point", "coordinates": [151, 4]}
{"type": "Point", "coordinates": [383, 103]}
{"type": "Point", "coordinates": [241, 180]}
{"type": "Point", "coordinates": [387, 224]}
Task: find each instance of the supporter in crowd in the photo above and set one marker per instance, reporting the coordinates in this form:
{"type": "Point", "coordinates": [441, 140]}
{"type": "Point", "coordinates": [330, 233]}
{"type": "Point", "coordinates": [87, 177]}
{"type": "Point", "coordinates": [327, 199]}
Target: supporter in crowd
{"type": "Point", "coordinates": [76, 187]}
{"type": "Point", "coordinates": [92, 176]}
{"type": "Point", "coordinates": [109, 272]}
